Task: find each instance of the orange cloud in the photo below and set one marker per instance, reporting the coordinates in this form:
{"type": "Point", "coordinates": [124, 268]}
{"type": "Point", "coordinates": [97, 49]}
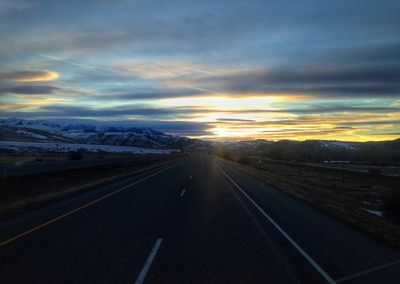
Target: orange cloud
{"type": "Point", "coordinates": [32, 76]}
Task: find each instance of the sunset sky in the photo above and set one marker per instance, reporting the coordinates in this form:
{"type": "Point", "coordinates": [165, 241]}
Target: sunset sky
{"type": "Point", "coordinates": [217, 70]}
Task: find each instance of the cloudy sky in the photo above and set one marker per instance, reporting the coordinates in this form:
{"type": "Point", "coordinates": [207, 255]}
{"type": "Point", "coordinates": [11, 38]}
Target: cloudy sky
{"type": "Point", "coordinates": [207, 69]}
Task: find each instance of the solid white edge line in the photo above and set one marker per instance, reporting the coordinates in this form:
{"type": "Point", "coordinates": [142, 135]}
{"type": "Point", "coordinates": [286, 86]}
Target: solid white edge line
{"type": "Point", "coordinates": [362, 273]}
{"type": "Point", "coordinates": [297, 246]}
{"type": "Point", "coordinates": [149, 261]}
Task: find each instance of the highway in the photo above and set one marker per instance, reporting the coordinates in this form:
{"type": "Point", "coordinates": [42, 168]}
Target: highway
{"type": "Point", "coordinates": [194, 220]}
{"type": "Point", "coordinates": [62, 165]}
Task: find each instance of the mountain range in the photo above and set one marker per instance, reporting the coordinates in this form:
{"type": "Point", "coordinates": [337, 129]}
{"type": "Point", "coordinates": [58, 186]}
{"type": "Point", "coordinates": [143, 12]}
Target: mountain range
{"type": "Point", "coordinates": [14, 129]}
{"type": "Point", "coordinates": [22, 130]}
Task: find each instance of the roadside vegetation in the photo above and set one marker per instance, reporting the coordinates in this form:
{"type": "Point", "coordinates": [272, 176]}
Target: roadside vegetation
{"type": "Point", "coordinates": [21, 192]}
{"type": "Point", "coordinates": [386, 152]}
{"type": "Point", "coordinates": [391, 205]}
{"type": "Point", "coordinates": [365, 195]}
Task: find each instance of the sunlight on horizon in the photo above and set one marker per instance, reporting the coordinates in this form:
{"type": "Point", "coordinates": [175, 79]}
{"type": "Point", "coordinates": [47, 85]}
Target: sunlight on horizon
{"type": "Point", "coordinates": [224, 76]}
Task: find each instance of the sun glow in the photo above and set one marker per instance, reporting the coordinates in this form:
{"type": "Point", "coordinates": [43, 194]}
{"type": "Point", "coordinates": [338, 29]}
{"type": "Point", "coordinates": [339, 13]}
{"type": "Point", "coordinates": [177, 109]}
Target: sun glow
{"type": "Point", "coordinates": [39, 77]}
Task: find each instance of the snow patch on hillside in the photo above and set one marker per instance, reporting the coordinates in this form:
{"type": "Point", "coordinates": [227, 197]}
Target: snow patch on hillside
{"type": "Point", "coordinates": [100, 133]}
{"type": "Point", "coordinates": [67, 147]}
{"type": "Point", "coordinates": [337, 144]}
{"type": "Point", "coordinates": [31, 134]}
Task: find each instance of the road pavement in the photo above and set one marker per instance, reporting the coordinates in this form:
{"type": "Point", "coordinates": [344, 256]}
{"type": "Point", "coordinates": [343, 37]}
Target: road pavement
{"type": "Point", "coordinates": [195, 220]}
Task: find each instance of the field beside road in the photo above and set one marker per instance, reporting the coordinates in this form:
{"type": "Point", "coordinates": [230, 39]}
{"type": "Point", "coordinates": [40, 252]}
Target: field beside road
{"type": "Point", "coordinates": [28, 182]}
{"type": "Point", "coordinates": [368, 201]}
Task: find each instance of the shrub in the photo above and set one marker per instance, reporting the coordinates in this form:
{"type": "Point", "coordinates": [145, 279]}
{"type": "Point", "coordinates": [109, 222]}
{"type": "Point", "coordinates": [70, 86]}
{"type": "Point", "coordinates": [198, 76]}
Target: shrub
{"type": "Point", "coordinates": [226, 156]}
{"type": "Point", "coordinates": [375, 171]}
{"type": "Point", "coordinates": [244, 160]}
{"type": "Point", "coordinates": [391, 206]}
{"type": "Point", "coordinates": [75, 156]}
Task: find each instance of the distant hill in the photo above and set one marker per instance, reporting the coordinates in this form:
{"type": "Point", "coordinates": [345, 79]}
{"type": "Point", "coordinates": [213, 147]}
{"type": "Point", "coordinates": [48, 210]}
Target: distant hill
{"type": "Point", "coordinates": [14, 129]}
{"type": "Point", "coordinates": [316, 150]}
{"type": "Point", "coordinates": [22, 130]}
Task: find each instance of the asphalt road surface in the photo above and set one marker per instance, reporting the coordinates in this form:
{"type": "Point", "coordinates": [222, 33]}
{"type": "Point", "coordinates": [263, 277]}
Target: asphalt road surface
{"type": "Point", "coordinates": [196, 220]}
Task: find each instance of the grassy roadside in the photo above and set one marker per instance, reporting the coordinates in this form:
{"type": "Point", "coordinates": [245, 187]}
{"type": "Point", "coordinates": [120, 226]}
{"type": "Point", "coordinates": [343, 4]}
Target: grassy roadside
{"type": "Point", "coordinates": [21, 193]}
{"type": "Point", "coordinates": [359, 200]}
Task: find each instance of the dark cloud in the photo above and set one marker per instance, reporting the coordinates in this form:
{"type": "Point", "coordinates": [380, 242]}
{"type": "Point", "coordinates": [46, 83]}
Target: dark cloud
{"type": "Point", "coordinates": [30, 90]}
{"type": "Point", "coordinates": [192, 25]}
{"type": "Point", "coordinates": [366, 123]}
{"type": "Point", "coordinates": [101, 113]}
{"type": "Point", "coordinates": [334, 51]}
{"type": "Point", "coordinates": [311, 121]}
{"type": "Point", "coordinates": [122, 94]}
{"type": "Point", "coordinates": [385, 52]}
{"type": "Point", "coordinates": [18, 75]}
{"type": "Point", "coordinates": [318, 80]}
{"type": "Point", "coordinates": [344, 127]}
{"type": "Point", "coordinates": [74, 111]}
{"type": "Point", "coordinates": [313, 109]}
{"type": "Point", "coordinates": [234, 120]}
{"type": "Point", "coordinates": [341, 108]}
{"type": "Point", "coordinates": [299, 132]}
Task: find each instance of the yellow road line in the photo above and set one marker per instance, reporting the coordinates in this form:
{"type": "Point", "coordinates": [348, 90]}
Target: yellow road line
{"type": "Point", "coordinates": [34, 229]}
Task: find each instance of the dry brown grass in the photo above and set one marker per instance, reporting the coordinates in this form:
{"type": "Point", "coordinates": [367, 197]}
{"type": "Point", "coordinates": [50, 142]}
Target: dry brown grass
{"type": "Point", "coordinates": [21, 193]}
{"type": "Point", "coordinates": [344, 197]}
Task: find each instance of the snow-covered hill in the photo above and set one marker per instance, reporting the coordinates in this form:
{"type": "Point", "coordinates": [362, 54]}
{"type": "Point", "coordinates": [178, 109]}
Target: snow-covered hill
{"type": "Point", "coordinates": [68, 147]}
{"type": "Point", "coordinates": [260, 143]}
{"type": "Point", "coordinates": [99, 134]}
